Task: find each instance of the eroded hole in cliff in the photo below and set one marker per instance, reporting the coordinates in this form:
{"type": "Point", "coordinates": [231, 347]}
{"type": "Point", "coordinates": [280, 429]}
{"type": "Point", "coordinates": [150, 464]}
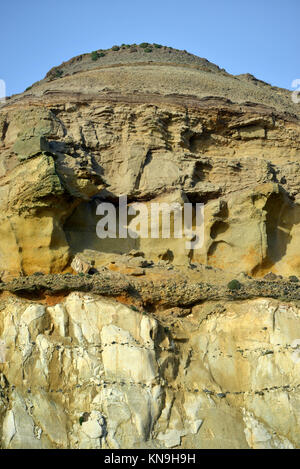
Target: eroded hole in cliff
{"type": "Point", "coordinates": [218, 228]}
{"type": "Point", "coordinates": [278, 227]}
{"type": "Point", "coordinates": [80, 229]}
{"type": "Point", "coordinates": [282, 227]}
{"type": "Point", "coordinates": [201, 171]}
{"type": "Point", "coordinates": [199, 142]}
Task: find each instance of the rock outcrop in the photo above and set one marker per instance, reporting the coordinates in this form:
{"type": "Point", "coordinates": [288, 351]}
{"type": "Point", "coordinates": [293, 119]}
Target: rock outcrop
{"type": "Point", "coordinates": [94, 373]}
{"type": "Point", "coordinates": [140, 342]}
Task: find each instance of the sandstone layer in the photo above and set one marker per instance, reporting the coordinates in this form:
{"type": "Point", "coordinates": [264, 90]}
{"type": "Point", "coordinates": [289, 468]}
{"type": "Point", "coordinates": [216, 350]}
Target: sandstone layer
{"type": "Point", "coordinates": [139, 342]}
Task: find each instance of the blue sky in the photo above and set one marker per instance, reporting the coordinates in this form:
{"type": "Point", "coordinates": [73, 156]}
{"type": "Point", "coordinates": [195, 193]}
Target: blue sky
{"type": "Point", "coordinates": [256, 36]}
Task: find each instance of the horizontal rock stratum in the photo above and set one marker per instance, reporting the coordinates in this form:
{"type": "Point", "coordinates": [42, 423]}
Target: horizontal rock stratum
{"type": "Point", "coordinates": [140, 342]}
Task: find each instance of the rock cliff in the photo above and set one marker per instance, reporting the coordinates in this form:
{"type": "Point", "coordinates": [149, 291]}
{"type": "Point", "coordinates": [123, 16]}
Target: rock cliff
{"type": "Point", "coordinates": [141, 342]}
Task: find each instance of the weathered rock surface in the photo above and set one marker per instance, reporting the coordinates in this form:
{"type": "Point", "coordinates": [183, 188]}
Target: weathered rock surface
{"type": "Point", "coordinates": [94, 373]}
{"type": "Point", "coordinates": [155, 349]}
{"type": "Point", "coordinates": [69, 143]}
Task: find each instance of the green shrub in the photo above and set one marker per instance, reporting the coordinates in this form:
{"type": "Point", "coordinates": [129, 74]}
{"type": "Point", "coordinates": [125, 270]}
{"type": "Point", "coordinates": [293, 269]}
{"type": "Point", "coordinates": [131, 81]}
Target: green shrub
{"type": "Point", "coordinates": [234, 285]}
{"type": "Point", "coordinates": [144, 45]}
{"type": "Point", "coordinates": [148, 49]}
{"type": "Point", "coordinates": [58, 73]}
{"type": "Point", "coordinates": [115, 48]}
{"type": "Point", "coordinates": [94, 55]}
{"type": "Point", "coordinates": [158, 46]}
{"type": "Point", "coordinates": [293, 278]}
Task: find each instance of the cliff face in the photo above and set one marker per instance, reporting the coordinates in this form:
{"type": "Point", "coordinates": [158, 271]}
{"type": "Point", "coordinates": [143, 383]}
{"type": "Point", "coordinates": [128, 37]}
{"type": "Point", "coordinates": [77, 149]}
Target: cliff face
{"type": "Point", "coordinates": [91, 372]}
{"type": "Point", "coordinates": [153, 350]}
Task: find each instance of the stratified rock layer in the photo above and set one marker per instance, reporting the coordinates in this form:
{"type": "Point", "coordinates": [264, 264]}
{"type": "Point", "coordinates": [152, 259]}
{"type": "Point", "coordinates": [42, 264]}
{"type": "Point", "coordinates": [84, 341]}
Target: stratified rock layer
{"type": "Point", "coordinates": [154, 350]}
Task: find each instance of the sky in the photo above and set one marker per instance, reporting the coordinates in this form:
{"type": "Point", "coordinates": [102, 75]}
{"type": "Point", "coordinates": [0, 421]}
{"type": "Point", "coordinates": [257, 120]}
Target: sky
{"type": "Point", "coordinates": [260, 37]}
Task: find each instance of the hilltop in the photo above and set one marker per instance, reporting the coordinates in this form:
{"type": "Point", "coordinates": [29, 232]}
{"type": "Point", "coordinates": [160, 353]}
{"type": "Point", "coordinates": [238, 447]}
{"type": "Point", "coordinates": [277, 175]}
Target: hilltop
{"type": "Point", "coordinates": [153, 69]}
